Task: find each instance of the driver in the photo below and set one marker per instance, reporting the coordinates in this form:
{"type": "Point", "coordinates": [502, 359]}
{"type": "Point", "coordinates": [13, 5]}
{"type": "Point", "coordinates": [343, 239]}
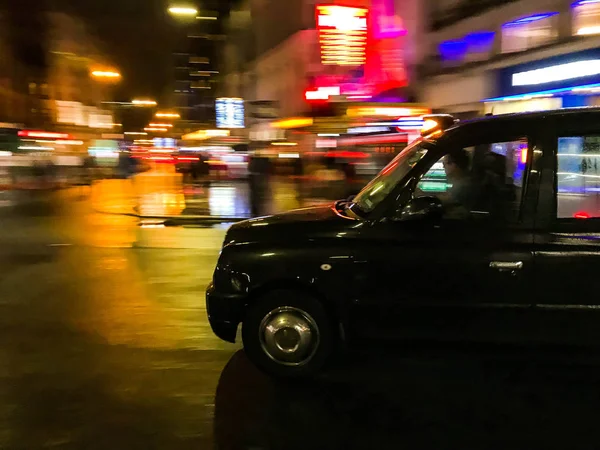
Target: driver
{"type": "Point", "coordinates": [461, 196]}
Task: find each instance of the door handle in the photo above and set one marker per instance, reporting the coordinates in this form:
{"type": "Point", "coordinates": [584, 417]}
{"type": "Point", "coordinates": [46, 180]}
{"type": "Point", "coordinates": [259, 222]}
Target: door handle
{"type": "Point", "coordinates": [506, 266]}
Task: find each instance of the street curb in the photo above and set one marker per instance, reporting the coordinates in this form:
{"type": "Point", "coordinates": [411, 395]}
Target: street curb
{"type": "Point", "coordinates": [188, 218]}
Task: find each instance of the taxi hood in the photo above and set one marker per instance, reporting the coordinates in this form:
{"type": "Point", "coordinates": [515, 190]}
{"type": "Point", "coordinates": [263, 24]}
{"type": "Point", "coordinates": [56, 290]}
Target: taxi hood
{"type": "Point", "coordinates": [299, 222]}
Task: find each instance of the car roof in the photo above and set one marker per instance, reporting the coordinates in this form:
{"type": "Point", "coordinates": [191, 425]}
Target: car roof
{"type": "Point", "coordinates": [502, 120]}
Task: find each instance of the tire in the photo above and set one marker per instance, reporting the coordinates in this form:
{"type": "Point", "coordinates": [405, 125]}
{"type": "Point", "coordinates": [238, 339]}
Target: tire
{"type": "Point", "coordinates": [276, 307]}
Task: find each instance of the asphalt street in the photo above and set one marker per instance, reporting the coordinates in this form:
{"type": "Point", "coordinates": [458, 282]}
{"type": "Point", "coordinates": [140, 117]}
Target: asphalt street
{"type": "Point", "coordinates": [105, 344]}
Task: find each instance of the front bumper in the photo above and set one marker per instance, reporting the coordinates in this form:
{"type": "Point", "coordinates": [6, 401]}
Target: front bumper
{"type": "Point", "coordinates": [225, 312]}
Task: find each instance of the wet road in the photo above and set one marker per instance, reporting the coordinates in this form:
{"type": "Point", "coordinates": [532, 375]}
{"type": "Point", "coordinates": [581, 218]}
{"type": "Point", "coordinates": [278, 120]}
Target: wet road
{"type": "Point", "coordinates": [104, 344]}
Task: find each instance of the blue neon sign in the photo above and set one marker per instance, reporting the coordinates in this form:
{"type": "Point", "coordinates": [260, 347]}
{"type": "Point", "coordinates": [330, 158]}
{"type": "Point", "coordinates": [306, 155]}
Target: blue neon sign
{"type": "Point", "coordinates": [523, 79]}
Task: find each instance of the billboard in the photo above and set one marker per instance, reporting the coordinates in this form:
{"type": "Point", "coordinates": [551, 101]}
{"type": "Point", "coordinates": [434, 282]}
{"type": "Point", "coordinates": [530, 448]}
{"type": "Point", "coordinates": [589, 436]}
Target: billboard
{"type": "Point", "coordinates": [230, 112]}
{"type": "Point", "coordinates": [342, 35]}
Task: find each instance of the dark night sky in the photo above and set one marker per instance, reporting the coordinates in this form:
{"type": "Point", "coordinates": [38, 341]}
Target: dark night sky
{"type": "Point", "coordinates": [139, 36]}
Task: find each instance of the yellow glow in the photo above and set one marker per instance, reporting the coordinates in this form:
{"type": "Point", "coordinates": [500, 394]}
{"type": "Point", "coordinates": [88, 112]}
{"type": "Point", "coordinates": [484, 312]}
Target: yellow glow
{"type": "Point", "coordinates": [202, 135]}
{"type": "Point", "coordinates": [428, 125]}
{"type": "Point", "coordinates": [343, 10]}
{"type": "Point", "coordinates": [68, 142]}
{"type": "Point", "coordinates": [143, 102]}
{"type": "Point", "coordinates": [588, 30]}
{"type": "Point", "coordinates": [156, 129]}
{"type": "Point", "coordinates": [136, 133]}
{"type": "Point", "coordinates": [285, 144]}
{"type": "Point", "coordinates": [161, 125]}
{"type": "Point", "coordinates": [387, 111]}
{"type": "Point", "coordinates": [183, 11]}
{"type": "Point", "coordinates": [167, 115]}
{"type": "Point", "coordinates": [296, 122]}
{"type": "Point", "coordinates": [105, 74]}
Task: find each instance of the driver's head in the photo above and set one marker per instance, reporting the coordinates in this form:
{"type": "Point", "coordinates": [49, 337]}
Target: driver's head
{"type": "Point", "coordinates": [456, 164]}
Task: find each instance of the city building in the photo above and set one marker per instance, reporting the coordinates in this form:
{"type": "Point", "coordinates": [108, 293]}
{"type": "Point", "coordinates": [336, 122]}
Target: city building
{"type": "Point", "coordinates": [511, 55]}
{"type": "Point", "coordinates": [308, 56]}
{"type": "Point", "coordinates": [198, 42]}
{"type": "Point", "coordinates": [74, 95]}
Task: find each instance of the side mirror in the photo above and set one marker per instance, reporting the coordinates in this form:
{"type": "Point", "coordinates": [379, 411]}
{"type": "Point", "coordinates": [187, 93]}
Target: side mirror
{"type": "Point", "coordinates": [420, 208]}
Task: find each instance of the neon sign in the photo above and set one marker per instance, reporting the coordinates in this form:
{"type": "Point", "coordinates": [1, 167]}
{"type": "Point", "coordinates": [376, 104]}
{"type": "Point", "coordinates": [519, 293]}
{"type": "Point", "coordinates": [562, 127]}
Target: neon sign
{"type": "Point", "coordinates": [561, 72]}
{"type": "Point", "coordinates": [322, 93]}
{"type": "Point", "coordinates": [342, 34]}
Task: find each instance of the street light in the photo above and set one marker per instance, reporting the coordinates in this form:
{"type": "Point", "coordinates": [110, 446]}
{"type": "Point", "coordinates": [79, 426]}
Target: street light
{"type": "Point", "coordinates": [156, 129]}
{"type": "Point", "coordinates": [183, 11]}
{"type": "Point", "coordinates": [106, 74]}
{"type": "Point", "coordinates": [161, 125]}
{"type": "Point", "coordinates": [142, 102]}
{"type": "Point", "coordinates": [167, 115]}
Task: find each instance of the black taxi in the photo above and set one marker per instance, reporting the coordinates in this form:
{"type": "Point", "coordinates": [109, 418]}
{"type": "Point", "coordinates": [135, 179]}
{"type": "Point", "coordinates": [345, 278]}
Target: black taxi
{"type": "Point", "coordinates": [485, 230]}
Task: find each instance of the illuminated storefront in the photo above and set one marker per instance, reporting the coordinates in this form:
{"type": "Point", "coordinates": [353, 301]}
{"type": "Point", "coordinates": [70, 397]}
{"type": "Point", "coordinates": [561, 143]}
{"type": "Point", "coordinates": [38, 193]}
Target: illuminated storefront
{"type": "Point", "coordinates": [557, 82]}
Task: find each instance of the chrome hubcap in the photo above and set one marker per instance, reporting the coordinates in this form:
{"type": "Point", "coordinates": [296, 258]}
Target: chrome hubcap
{"type": "Point", "coordinates": [289, 336]}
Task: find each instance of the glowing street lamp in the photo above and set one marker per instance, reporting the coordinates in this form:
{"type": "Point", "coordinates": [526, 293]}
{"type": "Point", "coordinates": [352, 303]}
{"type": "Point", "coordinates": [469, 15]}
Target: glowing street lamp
{"type": "Point", "coordinates": [107, 74]}
{"type": "Point", "coordinates": [167, 115]}
{"type": "Point", "coordinates": [183, 11]}
{"type": "Point", "coordinates": [142, 102]}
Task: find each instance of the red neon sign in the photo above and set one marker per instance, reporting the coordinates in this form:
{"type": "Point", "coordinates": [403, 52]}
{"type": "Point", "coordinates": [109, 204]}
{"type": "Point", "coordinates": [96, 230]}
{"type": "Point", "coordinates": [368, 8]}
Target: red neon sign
{"type": "Point", "coordinates": [342, 34]}
{"type": "Point", "coordinates": [43, 134]}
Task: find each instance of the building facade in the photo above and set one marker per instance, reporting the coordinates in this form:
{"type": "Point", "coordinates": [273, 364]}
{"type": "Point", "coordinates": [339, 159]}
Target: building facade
{"type": "Point", "coordinates": [308, 54]}
{"type": "Point", "coordinates": [511, 56]}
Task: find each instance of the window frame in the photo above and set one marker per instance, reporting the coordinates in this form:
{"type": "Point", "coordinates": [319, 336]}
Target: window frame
{"type": "Point", "coordinates": [568, 125]}
{"type": "Point", "coordinates": [570, 223]}
{"type": "Point", "coordinates": [471, 136]}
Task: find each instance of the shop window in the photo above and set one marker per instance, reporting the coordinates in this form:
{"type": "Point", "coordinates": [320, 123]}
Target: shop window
{"type": "Point", "coordinates": [586, 17]}
{"type": "Point", "coordinates": [529, 32]}
{"type": "Point", "coordinates": [578, 177]}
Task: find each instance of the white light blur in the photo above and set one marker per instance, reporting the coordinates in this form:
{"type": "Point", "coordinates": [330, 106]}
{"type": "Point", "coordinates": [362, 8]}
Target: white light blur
{"type": "Point", "coordinates": [560, 72]}
{"type": "Point", "coordinates": [5, 153]}
{"type": "Point", "coordinates": [136, 133]}
{"type": "Point", "coordinates": [328, 134]}
{"type": "Point", "coordinates": [27, 147]}
{"type": "Point", "coordinates": [584, 31]}
{"type": "Point", "coordinates": [369, 129]}
{"type": "Point", "coordinates": [323, 93]}
{"type": "Point", "coordinates": [289, 155]}
{"type": "Point", "coordinates": [284, 144]}
{"type": "Point", "coordinates": [140, 102]}
{"type": "Point", "coordinates": [206, 18]}
{"type": "Point", "coordinates": [183, 11]}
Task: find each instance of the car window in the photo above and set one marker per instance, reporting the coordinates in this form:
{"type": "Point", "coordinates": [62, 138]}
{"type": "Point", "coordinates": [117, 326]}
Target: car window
{"type": "Point", "coordinates": [374, 192]}
{"type": "Point", "coordinates": [484, 178]}
{"type": "Point", "coordinates": [578, 177]}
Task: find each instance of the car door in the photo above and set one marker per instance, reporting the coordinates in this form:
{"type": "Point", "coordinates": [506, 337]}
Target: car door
{"type": "Point", "coordinates": [462, 279]}
{"type": "Point", "coordinates": [567, 244]}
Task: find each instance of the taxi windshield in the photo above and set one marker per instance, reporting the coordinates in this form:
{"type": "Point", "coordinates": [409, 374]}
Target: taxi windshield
{"type": "Point", "coordinates": [374, 192]}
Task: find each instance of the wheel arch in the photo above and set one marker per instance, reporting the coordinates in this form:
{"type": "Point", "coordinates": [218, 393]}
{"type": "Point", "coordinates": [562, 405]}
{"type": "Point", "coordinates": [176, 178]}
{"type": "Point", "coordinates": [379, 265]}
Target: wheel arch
{"type": "Point", "coordinates": [334, 311]}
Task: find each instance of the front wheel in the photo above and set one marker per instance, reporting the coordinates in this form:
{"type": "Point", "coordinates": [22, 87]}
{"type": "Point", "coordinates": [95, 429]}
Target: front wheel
{"type": "Point", "coordinates": [288, 334]}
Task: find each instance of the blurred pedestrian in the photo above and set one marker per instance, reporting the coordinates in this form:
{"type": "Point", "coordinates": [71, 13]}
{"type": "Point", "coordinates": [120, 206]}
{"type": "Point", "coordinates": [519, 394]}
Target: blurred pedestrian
{"type": "Point", "coordinates": [258, 169]}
